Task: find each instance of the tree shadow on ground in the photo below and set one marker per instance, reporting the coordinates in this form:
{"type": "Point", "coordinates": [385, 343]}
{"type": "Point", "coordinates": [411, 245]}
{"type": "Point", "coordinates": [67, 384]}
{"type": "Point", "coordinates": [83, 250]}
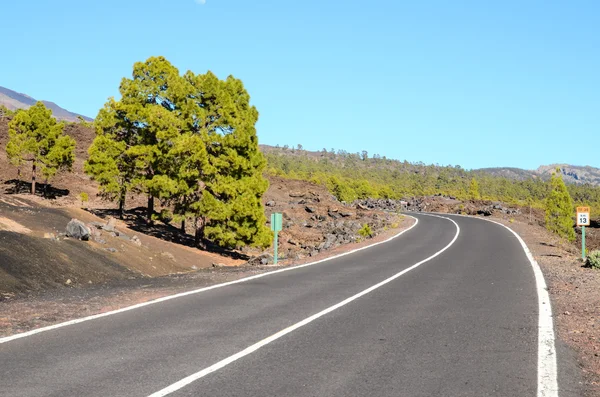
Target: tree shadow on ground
{"type": "Point", "coordinates": [135, 219]}
{"type": "Point", "coordinates": [15, 186]}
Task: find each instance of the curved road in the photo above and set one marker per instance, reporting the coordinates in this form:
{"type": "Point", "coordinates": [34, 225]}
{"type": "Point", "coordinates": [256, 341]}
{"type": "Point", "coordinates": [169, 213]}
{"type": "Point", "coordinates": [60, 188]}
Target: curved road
{"type": "Point", "coordinates": [462, 322]}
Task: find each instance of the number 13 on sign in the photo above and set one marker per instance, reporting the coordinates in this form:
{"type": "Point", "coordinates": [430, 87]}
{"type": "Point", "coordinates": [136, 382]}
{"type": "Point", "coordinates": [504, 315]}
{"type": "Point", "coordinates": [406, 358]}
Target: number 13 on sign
{"type": "Point", "coordinates": [583, 216]}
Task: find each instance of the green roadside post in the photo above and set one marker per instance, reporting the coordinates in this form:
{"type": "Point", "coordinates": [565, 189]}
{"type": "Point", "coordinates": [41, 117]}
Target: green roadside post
{"type": "Point", "coordinates": [583, 220]}
{"type": "Point", "coordinates": [582, 242]}
{"type": "Point", "coordinates": [276, 226]}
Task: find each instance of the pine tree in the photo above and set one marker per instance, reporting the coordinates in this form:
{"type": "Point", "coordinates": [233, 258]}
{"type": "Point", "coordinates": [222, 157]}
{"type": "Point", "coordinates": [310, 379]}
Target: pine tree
{"type": "Point", "coordinates": [474, 190]}
{"type": "Point", "coordinates": [139, 131]}
{"type": "Point", "coordinates": [230, 185]}
{"type": "Point", "coordinates": [110, 161]}
{"type": "Point", "coordinates": [36, 137]}
{"type": "Point", "coordinates": [559, 209]}
{"type": "Point", "coordinates": [154, 95]}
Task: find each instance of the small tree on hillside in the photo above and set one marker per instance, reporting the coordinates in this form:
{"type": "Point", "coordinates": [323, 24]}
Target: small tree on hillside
{"type": "Point", "coordinates": [5, 112]}
{"type": "Point", "coordinates": [474, 190]}
{"type": "Point", "coordinates": [36, 137]}
{"type": "Point", "coordinates": [559, 209]}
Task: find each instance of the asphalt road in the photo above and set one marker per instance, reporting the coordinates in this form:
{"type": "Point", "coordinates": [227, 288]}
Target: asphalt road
{"type": "Point", "coordinates": [463, 323]}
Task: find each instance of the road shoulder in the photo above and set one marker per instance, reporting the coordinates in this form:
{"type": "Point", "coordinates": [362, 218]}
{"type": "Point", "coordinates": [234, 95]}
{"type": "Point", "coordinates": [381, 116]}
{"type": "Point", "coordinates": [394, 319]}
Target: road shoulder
{"type": "Point", "coordinates": [575, 296]}
{"type": "Point", "coordinates": [57, 306]}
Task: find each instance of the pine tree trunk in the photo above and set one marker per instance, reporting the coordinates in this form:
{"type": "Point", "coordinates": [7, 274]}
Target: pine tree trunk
{"type": "Point", "coordinates": [33, 178]}
{"type": "Point", "coordinates": [150, 209]}
{"type": "Point", "coordinates": [183, 226]}
{"type": "Point", "coordinates": [199, 236]}
{"type": "Point", "coordinates": [122, 203]}
{"type": "Point", "coordinates": [19, 180]}
{"type": "Point", "coordinates": [46, 188]}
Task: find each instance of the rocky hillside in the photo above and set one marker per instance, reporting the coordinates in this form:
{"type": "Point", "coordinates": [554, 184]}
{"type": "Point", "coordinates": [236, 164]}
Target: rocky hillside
{"type": "Point", "coordinates": [14, 100]}
{"type": "Point", "coordinates": [571, 173]}
{"type": "Point", "coordinates": [315, 222]}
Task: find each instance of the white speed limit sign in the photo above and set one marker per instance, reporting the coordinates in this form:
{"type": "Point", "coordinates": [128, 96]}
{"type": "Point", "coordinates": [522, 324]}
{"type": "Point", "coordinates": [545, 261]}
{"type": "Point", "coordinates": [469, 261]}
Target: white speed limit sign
{"type": "Point", "coordinates": [583, 216]}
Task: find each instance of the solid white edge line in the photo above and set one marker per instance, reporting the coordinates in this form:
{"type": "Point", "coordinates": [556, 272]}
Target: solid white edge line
{"type": "Point", "coordinates": [194, 377]}
{"type": "Point", "coordinates": [547, 376]}
{"type": "Point", "coordinates": [197, 291]}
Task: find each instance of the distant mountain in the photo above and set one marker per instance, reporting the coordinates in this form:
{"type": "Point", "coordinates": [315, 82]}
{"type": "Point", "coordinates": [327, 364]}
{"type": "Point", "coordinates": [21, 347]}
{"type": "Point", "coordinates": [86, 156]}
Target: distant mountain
{"type": "Point", "coordinates": [570, 173]}
{"type": "Point", "coordinates": [14, 100]}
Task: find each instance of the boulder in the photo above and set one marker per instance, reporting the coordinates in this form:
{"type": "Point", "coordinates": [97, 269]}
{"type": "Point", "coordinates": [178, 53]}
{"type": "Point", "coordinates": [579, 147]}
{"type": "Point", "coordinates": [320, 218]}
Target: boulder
{"type": "Point", "coordinates": [270, 203]}
{"type": "Point", "coordinates": [110, 225]}
{"type": "Point", "coordinates": [77, 229]}
{"type": "Point", "coordinates": [136, 240]}
{"type": "Point", "coordinates": [334, 215]}
{"type": "Point", "coordinates": [263, 259]}
{"type": "Point", "coordinates": [310, 210]}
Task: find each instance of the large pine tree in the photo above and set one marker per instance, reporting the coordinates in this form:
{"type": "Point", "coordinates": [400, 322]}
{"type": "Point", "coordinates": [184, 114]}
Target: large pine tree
{"type": "Point", "coordinates": [191, 142]}
{"type": "Point", "coordinates": [230, 184]}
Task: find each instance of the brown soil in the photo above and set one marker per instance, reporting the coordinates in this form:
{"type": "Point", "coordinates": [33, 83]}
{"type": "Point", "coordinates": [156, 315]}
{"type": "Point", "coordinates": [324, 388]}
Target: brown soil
{"type": "Point", "coordinates": [35, 257]}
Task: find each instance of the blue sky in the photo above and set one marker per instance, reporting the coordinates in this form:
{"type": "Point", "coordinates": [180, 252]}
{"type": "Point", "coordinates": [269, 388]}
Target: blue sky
{"type": "Point", "coordinates": [473, 83]}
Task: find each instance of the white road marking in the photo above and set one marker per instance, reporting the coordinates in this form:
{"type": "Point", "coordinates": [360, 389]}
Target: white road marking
{"type": "Point", "coordinates": [547, 376]}
{"type": "Point", "coordinates": [194, 377]}
{"type": "Point", "coordinates": [166, 298]}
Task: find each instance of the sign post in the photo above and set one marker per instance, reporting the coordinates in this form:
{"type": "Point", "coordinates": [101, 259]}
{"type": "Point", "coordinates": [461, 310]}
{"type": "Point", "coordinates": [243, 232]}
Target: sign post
{"type": "Point", "coordinates": [583, 220]}
{"type": "Point", "coordinates": [276, 226]}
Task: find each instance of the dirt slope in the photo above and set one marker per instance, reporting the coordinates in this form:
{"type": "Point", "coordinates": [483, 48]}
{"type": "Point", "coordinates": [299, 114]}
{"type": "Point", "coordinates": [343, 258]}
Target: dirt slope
{"type": "Point", "coordinates": [35, 256]}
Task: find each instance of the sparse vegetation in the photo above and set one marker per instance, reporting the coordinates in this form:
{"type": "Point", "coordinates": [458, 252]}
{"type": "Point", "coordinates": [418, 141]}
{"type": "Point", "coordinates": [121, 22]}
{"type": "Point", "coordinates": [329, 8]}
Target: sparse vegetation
{"type": "Point", "coordinates": [6, 112]}
{"type": "Point", "coordinates": [83, 196]}
{"type": "Point", "coordinates": [350, 176]}
{"type": "Point", "coordinates": [365, 231]}
{"type": "Point", "coordinates": [593, 260]}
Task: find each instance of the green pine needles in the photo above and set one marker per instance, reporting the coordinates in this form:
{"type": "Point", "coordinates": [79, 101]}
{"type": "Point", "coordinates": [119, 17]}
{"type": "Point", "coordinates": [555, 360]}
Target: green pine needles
{"type": "Point", "coordinates": [37, 139]}
{"type": "Point", "coordinates": [593, 260]}
{"type": "Point", "coordinates": [560, 209]}
{"type": "Point", "coordinates": [474, 190]}
{"type": "Point", "coordinates": [189, 141]}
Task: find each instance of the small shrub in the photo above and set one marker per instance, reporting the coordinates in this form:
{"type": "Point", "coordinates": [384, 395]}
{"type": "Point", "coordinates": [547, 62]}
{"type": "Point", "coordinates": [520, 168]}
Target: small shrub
{"type": "Point", "coordinates": [84, 198]}
{"type": "Point", "coordinates": [512, 220]}
{"type": "Point", "coordinates": [593, 260]}
{"type": "Point", "coordinates": [366, 231]}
